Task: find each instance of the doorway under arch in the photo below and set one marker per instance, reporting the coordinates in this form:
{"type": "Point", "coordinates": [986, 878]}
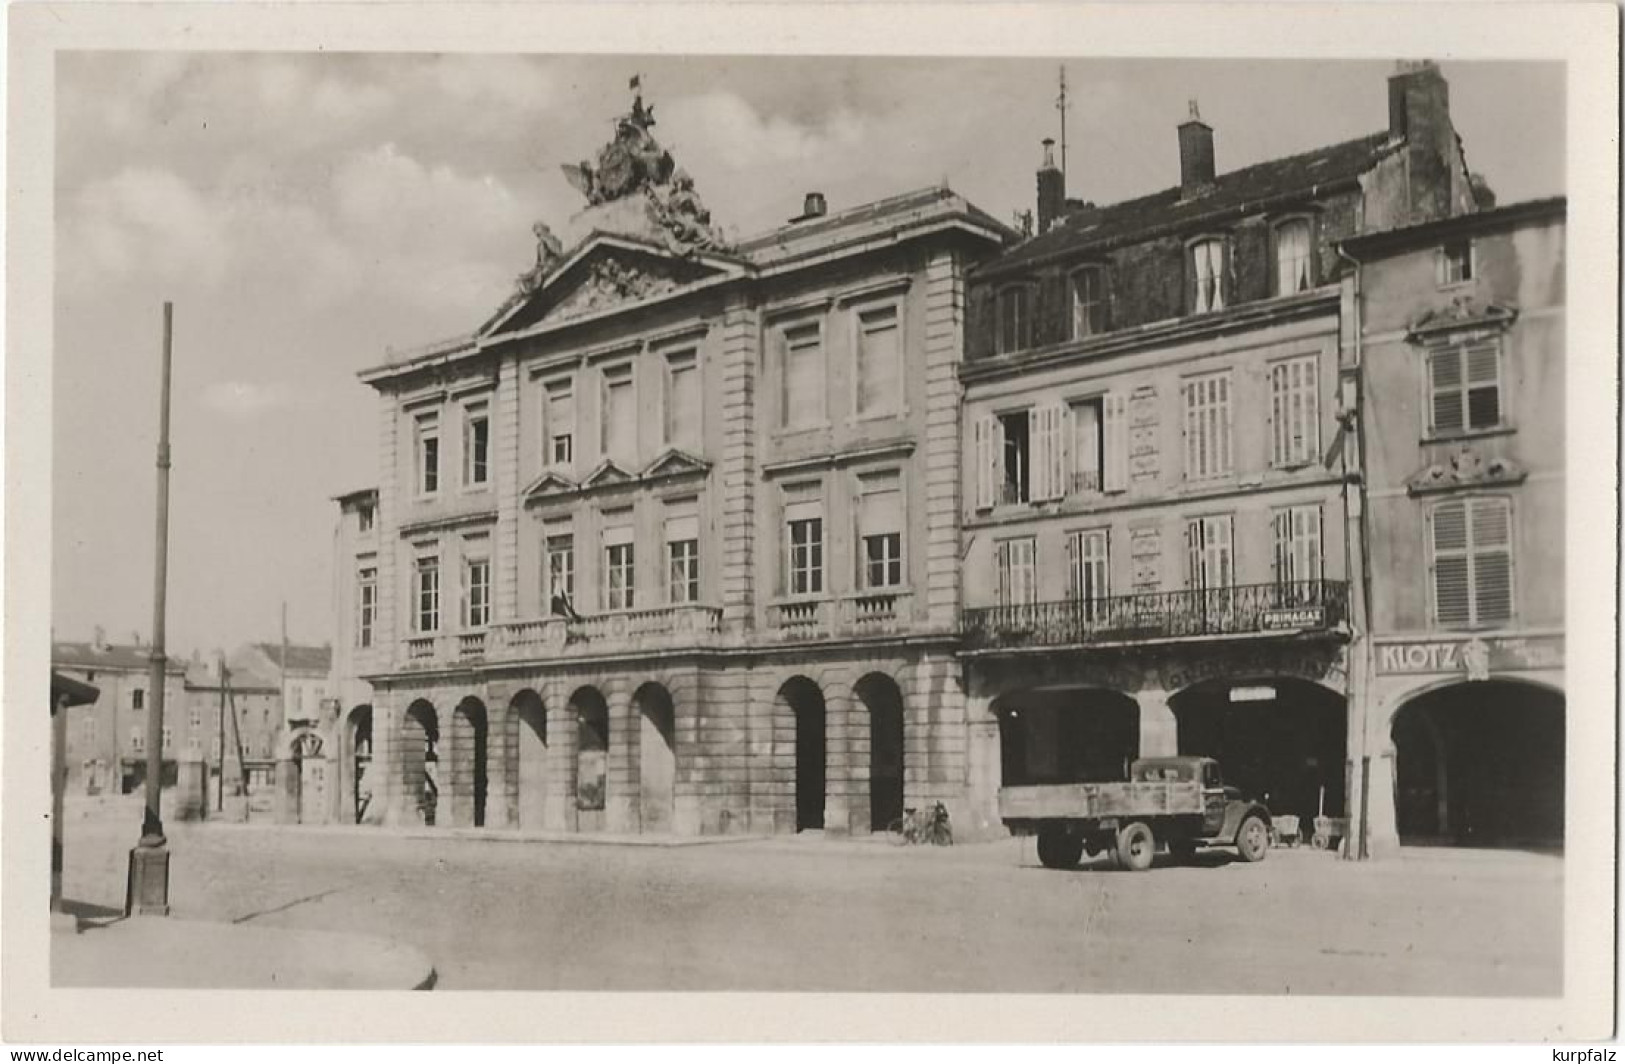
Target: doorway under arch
{"type": "Point", "coordinates": [806, 703]}
{"type": "Point", "coordinates": [420, 757]}
{"type": "Point", "coordinates": [1283, 740]}
{"type": "Point", "coordinates": [469, 776]}
{"type": "Point", "coordinates": [1481, 764]}
{"type": "Point", "coordinates": [883, 699]}
{"type": "Point", "coordinates": [357, 760]}
{"type": "Point", "coordinates": [591, 712]}
{"type": "Point", "coordinates": [657, 757]}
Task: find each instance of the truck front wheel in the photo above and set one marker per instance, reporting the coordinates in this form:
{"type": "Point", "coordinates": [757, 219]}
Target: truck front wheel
{"type": "Point", "coordinates": [1059, 848]}
{"type": "Point", "coordinates": [1253, 839]}
{"type": "Point", "coordinates": [1136, 845]}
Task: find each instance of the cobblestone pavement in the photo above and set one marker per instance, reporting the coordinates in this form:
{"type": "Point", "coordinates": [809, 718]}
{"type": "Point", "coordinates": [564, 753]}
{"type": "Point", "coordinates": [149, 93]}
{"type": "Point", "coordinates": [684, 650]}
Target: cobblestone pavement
{"type": "Point", "coordinates": [814, 914]}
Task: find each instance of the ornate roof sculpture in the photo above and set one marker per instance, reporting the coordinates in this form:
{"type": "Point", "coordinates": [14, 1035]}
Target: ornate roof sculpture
{"type": "Point", "coordinates": [629, 172]}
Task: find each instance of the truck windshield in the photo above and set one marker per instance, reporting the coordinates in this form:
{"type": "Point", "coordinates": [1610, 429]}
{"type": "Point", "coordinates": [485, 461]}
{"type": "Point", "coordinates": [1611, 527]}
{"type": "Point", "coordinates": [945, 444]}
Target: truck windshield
{"type": "Point", "coordinates": [1210, 776]}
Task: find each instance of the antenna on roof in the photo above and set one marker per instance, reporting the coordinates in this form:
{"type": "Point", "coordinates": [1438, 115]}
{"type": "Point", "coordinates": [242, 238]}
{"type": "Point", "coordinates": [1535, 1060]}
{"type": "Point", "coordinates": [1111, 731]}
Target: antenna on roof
{"type": "Point", "coordinates": [1061, 105]}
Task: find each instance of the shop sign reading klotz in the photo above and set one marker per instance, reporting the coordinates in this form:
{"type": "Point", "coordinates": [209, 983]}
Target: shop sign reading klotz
{"type": "Point", "coordinates": [1477, 657]}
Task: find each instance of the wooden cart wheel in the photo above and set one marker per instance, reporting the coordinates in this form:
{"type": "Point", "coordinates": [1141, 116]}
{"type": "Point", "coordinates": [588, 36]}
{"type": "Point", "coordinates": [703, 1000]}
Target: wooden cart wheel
{"type": "Point", "coordinates": [1059, 848]}
{"type": "Point", "coordinates": [1136, 845]}
{"type": "Point", "coordinates": [1253, 839]}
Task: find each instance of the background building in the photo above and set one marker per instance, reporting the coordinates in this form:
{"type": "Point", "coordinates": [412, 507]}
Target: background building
{"type": "Point", "coordinates": [1154, 538]}
{"type": "Point", "coordinates": [358, 651]}
{"type": "Point", "coordinates": [1458, 347]}
{"type": "Point", "coordinates": [669, 543]}
{"type": "Point", "coordinates": [107, 738]}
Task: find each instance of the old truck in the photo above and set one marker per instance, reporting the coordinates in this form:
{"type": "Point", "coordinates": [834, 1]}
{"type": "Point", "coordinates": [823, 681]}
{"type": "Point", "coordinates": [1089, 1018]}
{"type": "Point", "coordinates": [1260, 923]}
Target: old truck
{"type": "Point", "coordinates": [1179, 802]}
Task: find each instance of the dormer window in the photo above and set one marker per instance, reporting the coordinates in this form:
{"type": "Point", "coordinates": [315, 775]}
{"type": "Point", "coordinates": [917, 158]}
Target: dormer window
{"type": "Point", "coordinates": [1294, 264]}
{"type": "Point", "coordinates": [1088, 302]}
{"type": "Point", "coordinates": [1207, 268]}
{"type": "Point", "coordinates": [1015, 319]}
{"type": "Point", "coordinates": [1456, 263]}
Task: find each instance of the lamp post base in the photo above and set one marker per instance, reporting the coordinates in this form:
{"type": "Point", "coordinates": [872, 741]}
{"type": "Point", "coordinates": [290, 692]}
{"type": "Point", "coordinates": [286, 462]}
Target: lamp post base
{"type": "Point", "coordinates": [147, 893]}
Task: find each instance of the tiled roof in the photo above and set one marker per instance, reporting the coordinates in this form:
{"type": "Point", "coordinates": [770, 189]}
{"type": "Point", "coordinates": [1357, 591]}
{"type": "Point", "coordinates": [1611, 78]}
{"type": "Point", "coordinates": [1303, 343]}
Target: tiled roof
{"type": "Point", "coordinates": [1235, 192]}
{"type": "Point", "coordinates": [90, 656]}
{"type": "Point", "coordinates": [300, 658]}
{"type": "Point", "coordinates": [206, 675]}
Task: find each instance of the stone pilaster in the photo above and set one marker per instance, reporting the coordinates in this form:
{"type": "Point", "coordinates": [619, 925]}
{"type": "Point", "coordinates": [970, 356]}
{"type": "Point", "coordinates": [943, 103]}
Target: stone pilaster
{"type": "Point", "coordinates": [506, 436]}
{"type": "Point", "coordinates": [390, 624]}
{"type": "Point", "coordinates": [846, 798]}
{"type": "Point", "coordinates": [741, 340]}
{"type": "Point", "coordinates": [944, 344]}
{"type": "Point", "coordinates": [621, 789]}
{"type": "Point", "coordinates": [1159, 730]}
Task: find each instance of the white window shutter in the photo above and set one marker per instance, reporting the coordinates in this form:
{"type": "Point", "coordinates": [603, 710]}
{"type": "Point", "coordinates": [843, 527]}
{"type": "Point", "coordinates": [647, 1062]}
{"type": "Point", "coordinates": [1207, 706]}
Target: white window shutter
{"type": "Point", "coordinates": [986, 461]}
{"type": "Point", "coordinates": [1066, 461]}
{"type": "Point", "coordinates": [1038, 443]}
{"type": "Point", "coordinates": [1115, 410]}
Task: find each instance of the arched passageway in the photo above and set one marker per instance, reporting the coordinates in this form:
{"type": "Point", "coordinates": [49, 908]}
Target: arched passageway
{"type": "Point", "coordinates": [1280, 739]}
{"type": "Point", "coordinates": [591, 713]}
{"type": "Point", "coordinates": [1481, 764]}
{"type": "Point", "coordinates": [657, 757]}
{"type": "Point", "coordinates": [806, 703]}
{"type": "Point", "coordinates": [469, 772]}
{"type": "Point", "coordinates": [420, 757]}
{"type": "Point", "coordinates": [884, 701]}
{"type": "Point", "coordinates": [1077, 735]}
{"type": "Point", "coordinates": [357, 761]}
{"type": "Point", "coordinates": [528, 738]}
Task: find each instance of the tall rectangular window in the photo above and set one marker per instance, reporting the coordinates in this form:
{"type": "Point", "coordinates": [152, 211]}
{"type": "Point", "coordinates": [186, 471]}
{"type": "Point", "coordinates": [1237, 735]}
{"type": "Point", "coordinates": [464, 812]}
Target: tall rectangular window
{"type": "Point", "coordinates": [1212, 563]}
{"type": "Point", "coordinates": [1088, 447]}
{"type": "Point", "coordinates": [1464, 382]}
{"type": "Point", "coordinates": [366, 606]}
{"type": "Point", "coordinates": [1294, 412]}
{"type": "Point", "coordinates": [1207, 426]}
{"type": "Point", "coordinates": [620, 415]}
{"type": "Point", "coordinates": [803, 399]}
{"type": "Point", "coordinates": [476, 592]}
{"type": "Point", "coordinates": [1015, 466]}
{"type": "Point", "coordinates": [477, 445]}
{"type": "Point", "coordinates": [1292, 259]}
{"type": "Point", "coordinates": [619, 568]}
{"type": "Point", "coordinates": [1088, 302]}
{"type": "Point", "coordinates": [428, 454]}
{"type": "Point", "coordinates": [364, 519]}
{"type": "Point", "coordinates": [804, 533]}
{"type": "Point", "coordinates": [138, 739]}
{"type": "Point", "coordinates": [1297, 560]}
{"type": "Point", "coordinates": [426, 576]}
{"type": "Point", "coordinates": [682, 559]}
{"type": "Point", "coordinates": [880, 531]}
{"type": "Point", "coordinates": [683, 400]}
{"type": "Point", "coordinates": [1088, 559]}
{"type": "Point", "coordinates": [1017, 563]}
{"type": "Point", "coordinates": [1456, 262]}
{"type": "Point", "coordinates": [880, 361]}
{"type": "Point", "coordinates": [561, 573]}
{"type": "Point", "coordinates": [1471, 546]}
{"type": "Point", "coordinates": [169, 737]}
{"type": "Point", "coordinates": [1207, 276]}
{"type": "Point", "coordinates": [1014, 310]}
{"type": "Point", "coordinates": [138, 699]}
{"type": "Point", "coordinates": [559, 424]}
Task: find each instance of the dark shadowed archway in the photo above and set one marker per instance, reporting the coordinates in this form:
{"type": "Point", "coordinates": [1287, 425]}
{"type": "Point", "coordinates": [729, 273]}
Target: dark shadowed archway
{"type": "Point", "coordinates": [469, 772]}
{"type": "Point", "coordinates": [1075, 735]}
{"type": "Point", "coordinates": [420, 756]}
{"type": "Point", "coordinates": [806, 703]}
{"type": "Point", "coordinates": [591, 713]}
{"type": "Point", "coordinates": [528, 734]}
{"type": "Point", "coordinates": [356, 764]}
{"type": "Point", "coordinates": [884, 701]}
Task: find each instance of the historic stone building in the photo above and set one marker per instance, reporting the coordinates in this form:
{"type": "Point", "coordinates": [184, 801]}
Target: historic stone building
{"type": "Point", "coordinates": [1455, 334]}
{"type": "Point", "coordinates": [1154, 480]}
{"type": "Point", "coordinates": [107, 739]}
{"type": "Point", "coordinates": [670, 543]}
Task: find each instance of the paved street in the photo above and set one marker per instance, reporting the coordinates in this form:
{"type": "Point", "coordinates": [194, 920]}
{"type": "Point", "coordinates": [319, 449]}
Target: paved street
{"type": "Point", "coordinates": [811, 914]}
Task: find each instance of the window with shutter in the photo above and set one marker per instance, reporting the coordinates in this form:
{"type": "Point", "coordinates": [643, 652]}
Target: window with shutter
{"type": "Point", "coordinates": [804, 536]}
{"type": "Point", "coordinates": [620, 571]}
{"type": "Point", "coordinates": [1015, 438]}
{"type": "Point", "coordinates": [1207, 426]}
{"type": "Point", "coordinates": [1207, 276]}
{"type": "Point", "coordinates": [1293, 263]}
{"type": "Point", "coordinates": [1018, 583]}
{"type": "Point", "coordinates": [1086, 432]}
{"type": "Point", "coordinates": [683, 399]}
{"type": "Point", "coordinates": [880, 362]}
{"type": "Point", "coordinates": [620, 416]}
{"type": "Point", "coordinates": [1297, 562]}
{"type": "Point", "coordinates": [1014, 314]}
{"type": "Point", "coordinates": [805, 386]}
{"type": "Point", "coordinates": [1088, 302]}
{"type": "Point", "coordinates": [989, 461]}
{"type": "Point", "coordinates": [1464, 382]}
{"type": "Point", "coordinates": [1090, 575]}
{"type": "Point", "coordinates": [1471, 548]}
{"type": "Point", "coordinates": [1294, 412]}
{"type": "Point", "coordinates": [880, 530]}
{"type": "Point", "coordinates": [559, 424]}
{"type": "Point", "coordinates": [1115, 469]}
{"type": "Point", "coordinates": [1048, 452]}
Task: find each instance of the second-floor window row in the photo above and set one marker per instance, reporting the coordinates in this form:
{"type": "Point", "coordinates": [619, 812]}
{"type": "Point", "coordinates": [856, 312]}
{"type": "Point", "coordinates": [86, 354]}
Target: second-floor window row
{"type": "Point", "coordinates": [1052, 450]}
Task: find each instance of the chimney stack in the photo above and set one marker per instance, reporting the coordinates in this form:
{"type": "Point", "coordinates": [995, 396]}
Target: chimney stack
{"type": "Point", "coordinates": [1419, 115]}
{"type": "Point", "coordinates": [1051, 189]}
{"type": "Point", "coordinates": [1195, 154]}
{"type": "Point", "coordinates": [812, 207]}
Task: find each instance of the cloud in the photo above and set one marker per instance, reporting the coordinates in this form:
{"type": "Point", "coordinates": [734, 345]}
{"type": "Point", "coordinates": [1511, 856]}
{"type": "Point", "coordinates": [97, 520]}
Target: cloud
{"type": "Point", "coordinates": [142, 220]}
{"type": "Point", "coordinates": [725, 127]}
{"type": "Point", "coordinates": [243, 399]}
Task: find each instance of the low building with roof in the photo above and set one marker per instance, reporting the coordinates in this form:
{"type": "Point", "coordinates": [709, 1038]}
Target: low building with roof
{"type": "Point", "coordinates": [107, 738]}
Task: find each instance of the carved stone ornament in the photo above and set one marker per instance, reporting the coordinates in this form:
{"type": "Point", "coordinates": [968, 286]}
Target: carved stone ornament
{"type": "Point", "coordinates": [1462, 314]}
{"type": "Point", "coordinates": [1466, 468]}
{"type": "Point", "coordinates": [1475, 656]}
{"type": "Point", "coordinates": [608, 283]}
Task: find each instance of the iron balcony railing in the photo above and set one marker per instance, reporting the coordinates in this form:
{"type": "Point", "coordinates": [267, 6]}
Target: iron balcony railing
{"type": "Point", "coordinates": [1305, 605]}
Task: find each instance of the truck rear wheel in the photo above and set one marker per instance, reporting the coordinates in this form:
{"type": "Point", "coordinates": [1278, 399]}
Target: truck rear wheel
{"type": "Point", "coordinates": [1059, 848]}
{"type": "Point", "coordinates": [1253, 839]}
{"type": "Point", "coordinates": [1136, 845]}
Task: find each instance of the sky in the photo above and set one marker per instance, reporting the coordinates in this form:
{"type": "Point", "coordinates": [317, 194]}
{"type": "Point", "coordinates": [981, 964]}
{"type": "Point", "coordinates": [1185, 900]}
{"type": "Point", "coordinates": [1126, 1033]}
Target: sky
{"type": "Point", "coordinates": [305, 212]}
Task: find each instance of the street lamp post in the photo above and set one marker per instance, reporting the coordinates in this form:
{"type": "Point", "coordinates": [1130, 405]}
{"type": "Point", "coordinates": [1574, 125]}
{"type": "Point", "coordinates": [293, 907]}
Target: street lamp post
{"type": "Point", "coordinates": [148, 889]}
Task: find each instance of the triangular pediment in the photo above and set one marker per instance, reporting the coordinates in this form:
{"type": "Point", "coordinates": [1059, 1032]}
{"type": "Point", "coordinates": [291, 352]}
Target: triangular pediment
{"type": "Point", "coordinates": [676, 463]}
{"type": "Point", "coordinates": [549, 483]}
{"type": "Point", "coordinates": [1465, 468]}
{"type": "Point", "coordinates": [604, 272]}
{"type": "Point", "coordinates": [608, 474]}
{"type": "Point", "coordinates": [1462, 315]}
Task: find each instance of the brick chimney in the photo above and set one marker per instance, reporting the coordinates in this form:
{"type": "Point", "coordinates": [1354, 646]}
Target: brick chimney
{"type": "Point", "coordinates": [1051, 189]}
{"type": "Point", "coordinates": [1419, 116]}
{"type": "Point", "coordinates": [1195, 154]}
